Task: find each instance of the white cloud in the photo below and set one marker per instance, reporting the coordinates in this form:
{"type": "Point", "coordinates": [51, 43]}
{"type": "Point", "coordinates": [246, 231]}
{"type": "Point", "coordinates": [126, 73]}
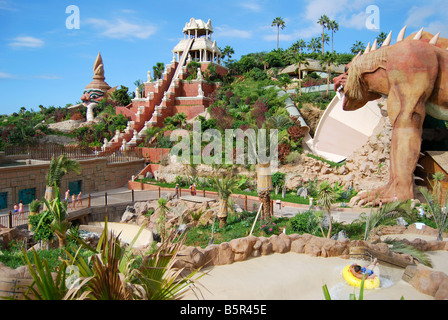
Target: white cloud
{"type": "Point", "coordinates": [251, 5]}
{"type": "Point", "coordinates": [48, 77]}
{"type": "Point", "coordinates": [122, 29]}
{"type": "Point", "coordinates": [432, 17]}
{"type": "Point", "coordinates": [6, 5]}
{"type": "Point", "coordinates": [4, 75]}
{"type": "Point", "coordinates": [355, 21]}
{"type": "Point", "coordinates": [225, 31]}
{"type": "Point", "coordinates": [29, 42]}
{"type": "Point", "coordinates": [349, 14]}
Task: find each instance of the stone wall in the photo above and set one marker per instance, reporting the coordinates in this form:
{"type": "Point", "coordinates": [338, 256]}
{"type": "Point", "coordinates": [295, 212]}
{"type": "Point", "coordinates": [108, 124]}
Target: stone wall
{"type": "Point", "coordinates": [97, 175]}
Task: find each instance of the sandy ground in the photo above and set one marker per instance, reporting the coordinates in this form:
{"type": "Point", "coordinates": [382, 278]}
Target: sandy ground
{"type": "Point", "coordinates": [293, 276]}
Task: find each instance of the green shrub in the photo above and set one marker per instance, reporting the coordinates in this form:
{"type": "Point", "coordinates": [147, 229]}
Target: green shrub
{"type": "Point", "coordinates": [304, 222]}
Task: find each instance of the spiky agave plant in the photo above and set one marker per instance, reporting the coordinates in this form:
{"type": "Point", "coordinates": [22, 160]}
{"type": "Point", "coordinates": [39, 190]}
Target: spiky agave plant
{"type": "Point", "coordinates": [115, 274]}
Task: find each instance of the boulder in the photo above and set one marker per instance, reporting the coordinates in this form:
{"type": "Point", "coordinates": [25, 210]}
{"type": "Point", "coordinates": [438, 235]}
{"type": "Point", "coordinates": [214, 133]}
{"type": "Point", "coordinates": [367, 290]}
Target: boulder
{"type": "Point", "coordinates": [280, 243]}
{"type": "Point", "coordinates": [242, 247]}
{"type": "Point", "coordinates": [427, 281]}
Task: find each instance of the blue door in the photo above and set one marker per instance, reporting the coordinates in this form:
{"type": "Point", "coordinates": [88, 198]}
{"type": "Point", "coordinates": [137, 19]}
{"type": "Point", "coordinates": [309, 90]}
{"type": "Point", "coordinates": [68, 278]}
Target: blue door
{"type": "Point", "coordinates": [3, 200]}
{"type": "Point", "coordinates": [75, 187]}
{"type": "Point", "coordinates": [27, 195]}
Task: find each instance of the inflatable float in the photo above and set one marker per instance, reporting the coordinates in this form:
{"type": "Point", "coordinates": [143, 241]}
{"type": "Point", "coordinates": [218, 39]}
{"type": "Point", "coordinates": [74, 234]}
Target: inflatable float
{"type": "Point", "coordinates": [356, 282]}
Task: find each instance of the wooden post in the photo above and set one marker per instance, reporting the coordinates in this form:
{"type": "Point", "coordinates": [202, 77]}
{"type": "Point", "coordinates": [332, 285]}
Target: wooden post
{"type": "Point", "coordinates": [180, 191]}
{"type": "Point", "coordinates": [132, 194]}
{"type": "Point", "coordinates": [272, 208]}
{"type": "Point", "coordinates": [10, 219]}
{"type": "Point", "coordinates": [245, 202]}
{"type": "Point", "coordinates": [105, 199]}
{"type": "Point", "coordinates": [203, 192]}
{"type": "Point", "coordinates": [159, 192]}
{"type": "Point", "coordinates": [88, 201]}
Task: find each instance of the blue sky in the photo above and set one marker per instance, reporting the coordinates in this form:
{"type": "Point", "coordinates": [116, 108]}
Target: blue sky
{"type": "Point", "coordinates": [44, 62]}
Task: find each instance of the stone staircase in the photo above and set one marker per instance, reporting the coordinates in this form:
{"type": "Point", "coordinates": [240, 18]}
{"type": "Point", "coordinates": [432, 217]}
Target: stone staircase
{"type": "Point", "coordinates": [152, 110]}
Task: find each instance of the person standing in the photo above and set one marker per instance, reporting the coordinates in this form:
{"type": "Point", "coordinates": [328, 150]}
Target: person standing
{"type": "Point", "coordinates": [176, 195]}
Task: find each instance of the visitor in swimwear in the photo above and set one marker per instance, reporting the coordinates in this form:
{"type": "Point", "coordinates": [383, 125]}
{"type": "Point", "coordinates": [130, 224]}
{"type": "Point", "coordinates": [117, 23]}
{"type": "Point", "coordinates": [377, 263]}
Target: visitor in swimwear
{"type": "Point", "coordinates": [359, 271]}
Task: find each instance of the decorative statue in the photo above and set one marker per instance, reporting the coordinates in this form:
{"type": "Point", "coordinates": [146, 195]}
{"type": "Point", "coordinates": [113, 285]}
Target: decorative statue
{"type": "Point", "coordinates": [412, 74]}
{"type": "Point", "coordinates": [96, 90]}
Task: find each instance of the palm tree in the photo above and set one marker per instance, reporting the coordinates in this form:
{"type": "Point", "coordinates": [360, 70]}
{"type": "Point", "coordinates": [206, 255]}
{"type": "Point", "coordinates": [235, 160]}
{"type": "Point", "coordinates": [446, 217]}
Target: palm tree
{"type": "Point", "coordinates": [158, 70]}
{"type": "Point", "coordinates": [58, 210]}
{"type": "Point", "coordinates": [228, 52]}
{"type": "Point", "coordinates": [324, 20]}
{"type": "Point", "coordinates": [438, 211]}
{"type": "Point", "coordinates": [314, 45]}
{"type": "Point", "coordinates": [161, 221]}
{"type": "Point", "coordinates": [380, 38]}
{"type": "Point", "coordinates": [387, 213]}
{"type": "Point", "coordinates": [437, 186]}
{"type": "Point", "coordinates": [279, 23]}
{"type": "Point", "coordinates": [326, 197]}
{"type": "Point", "coordinates": [299, 45]}
{"type": "Point", "coordinates": [140, 87]}
{"type": "Point", "coordinates": [300, 59]}
{"type": "Point", "coordinates": [59, 167]}
{"type": "Point", "coordinates": [225, 186]}
{"type": "Point", "coordinates": [333, 26]}
{"type": "Point", "coordinates": [357, 47]}
{"type": "Point", "coordinates": [327, 60]}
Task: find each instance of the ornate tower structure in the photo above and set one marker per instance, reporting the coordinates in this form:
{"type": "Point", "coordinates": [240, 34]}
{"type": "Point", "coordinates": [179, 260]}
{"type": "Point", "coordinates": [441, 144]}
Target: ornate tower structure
{"type": "Point", "coordinates": [172, 93]}
{"type": "Point", "coordinates": [203, 49]}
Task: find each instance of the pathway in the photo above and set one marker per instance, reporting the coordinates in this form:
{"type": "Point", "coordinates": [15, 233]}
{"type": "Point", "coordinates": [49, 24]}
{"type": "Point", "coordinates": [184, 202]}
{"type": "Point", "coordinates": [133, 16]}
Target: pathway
{"type": "Point", "coordinates": [121, 195]}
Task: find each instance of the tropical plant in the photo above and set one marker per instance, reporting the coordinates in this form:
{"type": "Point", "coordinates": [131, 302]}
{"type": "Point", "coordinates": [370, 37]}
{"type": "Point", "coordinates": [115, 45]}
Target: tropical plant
{"type": "Point", "coordinates": [357, 47]}
{"type": "Point", "coordinates": [314, 45]}
{"type": "Point", "coordinates": [388, 213]}
{"type": "Point", "coordinates": [380, 38]}
{"type": "Point", "coordinates": [56, 209]}
{"type": "Point", "coordinates": [400, 247]}
{"type": "Point", "coordinates": [327, 60]}
{"type": "Point", "coordinates": [333, 26]}
{"type": "Point", "coordinates": [298, 46]}
{"type": "Point", "coordinates": [279, 23]}
{"type": "Point", "coordinates": [158, 70]}
{"type": "Point", "coordinates": [59, 167]}
{"type": "Point", "coordinates": [161, 220]}
{"type": "Point", "coordinates": [326, 196]}
{"type": "Point", "coordinates": [300, 60]}
{"type": "Point", "coordinates": [324, 20]}
{"type": "Point", "coordinates": [45, 286]}
{"type": "Point", "coordinates": [114, 273]}
{"type": "Point", "coordinates": [121, 96]}
{"type": "Point", "coordinates": [227, 52]}
{"type": "Point", "coordinates": [438, 212]}
{"type": "Point", "coordinates": [224, 186]}
{"type": "Point", "coordinates": [140, 86]}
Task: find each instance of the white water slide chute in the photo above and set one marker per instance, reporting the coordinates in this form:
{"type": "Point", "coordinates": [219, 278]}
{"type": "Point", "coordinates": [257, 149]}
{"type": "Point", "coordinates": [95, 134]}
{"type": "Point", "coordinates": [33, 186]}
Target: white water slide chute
{"type": "Point", "coordinates": [339, 132]}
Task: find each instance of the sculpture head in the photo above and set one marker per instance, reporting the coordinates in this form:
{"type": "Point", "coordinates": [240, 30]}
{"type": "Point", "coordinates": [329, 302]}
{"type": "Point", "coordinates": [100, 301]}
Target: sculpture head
{"type": "Point", "coordinates": [91, 96]}
{"type": "Point", "coordinates": [352, 85]}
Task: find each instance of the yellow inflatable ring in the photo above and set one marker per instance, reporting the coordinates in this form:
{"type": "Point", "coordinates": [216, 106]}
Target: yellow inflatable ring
{"type": "Point", "coordinates": [356, 282]}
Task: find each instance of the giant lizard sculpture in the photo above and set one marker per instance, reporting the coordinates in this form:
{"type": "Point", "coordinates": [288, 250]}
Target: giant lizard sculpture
{"type": "Point", "coordinates": [413, 74]}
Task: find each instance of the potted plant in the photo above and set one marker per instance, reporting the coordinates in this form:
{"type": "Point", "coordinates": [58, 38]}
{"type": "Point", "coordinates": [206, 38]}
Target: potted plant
{"type": "Point", "coordinates": [34, 208]}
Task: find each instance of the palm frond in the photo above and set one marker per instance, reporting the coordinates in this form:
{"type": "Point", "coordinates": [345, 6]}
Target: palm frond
{"type": "Point", "coordinates": [401, 247]}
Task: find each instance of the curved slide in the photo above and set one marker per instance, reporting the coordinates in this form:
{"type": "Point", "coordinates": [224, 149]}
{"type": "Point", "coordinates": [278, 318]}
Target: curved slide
{"type": "Point", "coordinates": [339, 133]}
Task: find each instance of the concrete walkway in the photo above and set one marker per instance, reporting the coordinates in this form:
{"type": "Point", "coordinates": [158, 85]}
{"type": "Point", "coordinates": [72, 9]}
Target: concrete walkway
{"type": "Point", "coordinates": [122, 195]}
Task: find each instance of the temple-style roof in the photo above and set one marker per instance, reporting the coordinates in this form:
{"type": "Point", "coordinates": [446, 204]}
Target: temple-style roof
{"type": "Point", "coordinates": [198, 24]}
{"type": "Point", "coordinates": [98, 75]}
